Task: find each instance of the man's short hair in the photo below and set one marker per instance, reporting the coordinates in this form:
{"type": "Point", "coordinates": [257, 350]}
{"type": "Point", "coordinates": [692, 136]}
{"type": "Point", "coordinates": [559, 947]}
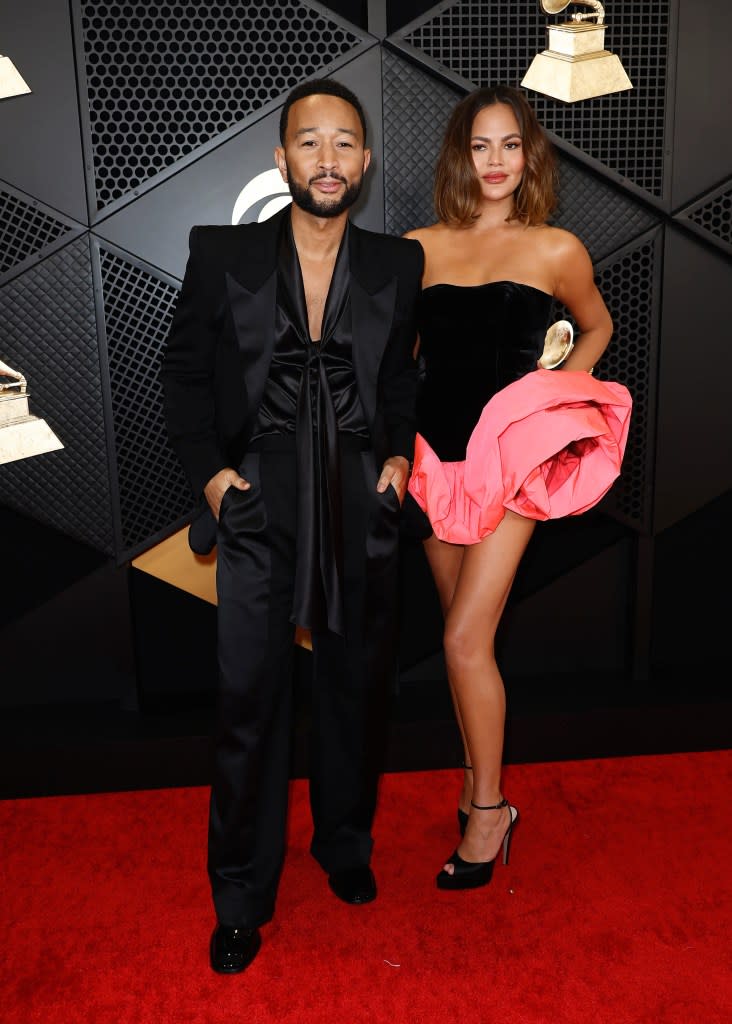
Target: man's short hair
{"type": "Point", "coordinates": [320, 87]}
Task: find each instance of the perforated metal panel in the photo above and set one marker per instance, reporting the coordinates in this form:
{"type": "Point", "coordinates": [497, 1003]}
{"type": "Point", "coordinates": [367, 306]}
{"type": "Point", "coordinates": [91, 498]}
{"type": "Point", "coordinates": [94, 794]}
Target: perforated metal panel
{"type": "Point", "coordinates": [153, 491]}
{"type": "Point", "coordinates": [493, 42]}
{"type": "Point", "coordinates": [602, 216]}
{"type": "Point", "coordinates": [629, 285]}
{"type": "Point", "coordinates": [164, 78]}
{"type": "Point", "coordinates": [712, 214]}
{"type": "Point", "coordinates": [25, 230]}
{"type": "Point", "coordinates": [628, 282]}
{"type": "Point", "coordinates": [49, 333]}
{"type": "Point", "coordinates": [416, 110]}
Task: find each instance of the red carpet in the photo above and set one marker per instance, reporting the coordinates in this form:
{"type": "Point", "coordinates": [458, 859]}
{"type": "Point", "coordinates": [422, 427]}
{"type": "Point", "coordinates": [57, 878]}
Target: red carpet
{"type": "Point", "coordinates": [615, 908]}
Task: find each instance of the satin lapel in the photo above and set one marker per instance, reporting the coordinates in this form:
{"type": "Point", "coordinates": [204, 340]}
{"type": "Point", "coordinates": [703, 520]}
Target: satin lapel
{"type": "Point", "coordinates": [252, 293]}
{"type": "Point", "coordinates": [253, 314]}
{"type": "Point", "coordinates": [373, 300]}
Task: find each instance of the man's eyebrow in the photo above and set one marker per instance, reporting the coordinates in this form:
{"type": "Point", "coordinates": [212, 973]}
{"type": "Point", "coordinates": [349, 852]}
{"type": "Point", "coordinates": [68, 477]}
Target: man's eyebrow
{"type": "Point", "coordinates": [316, 128]}
{"type": "Point", "coordinates": [504, 138]}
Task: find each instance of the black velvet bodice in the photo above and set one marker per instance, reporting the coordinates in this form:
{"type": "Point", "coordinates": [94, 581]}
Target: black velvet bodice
{"type": "Point", "coordinates": [474, 340]}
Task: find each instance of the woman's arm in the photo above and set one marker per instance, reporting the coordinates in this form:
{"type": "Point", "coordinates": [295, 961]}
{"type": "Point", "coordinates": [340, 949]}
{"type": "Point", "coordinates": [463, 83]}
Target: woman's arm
{"type": "Point", "coordinates": [575, 287]}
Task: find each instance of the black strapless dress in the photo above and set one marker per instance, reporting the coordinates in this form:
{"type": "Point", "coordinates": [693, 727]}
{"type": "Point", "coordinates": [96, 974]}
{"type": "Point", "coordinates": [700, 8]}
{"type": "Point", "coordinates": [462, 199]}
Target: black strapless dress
{"type": "Point", "coordinates": [473, 342]}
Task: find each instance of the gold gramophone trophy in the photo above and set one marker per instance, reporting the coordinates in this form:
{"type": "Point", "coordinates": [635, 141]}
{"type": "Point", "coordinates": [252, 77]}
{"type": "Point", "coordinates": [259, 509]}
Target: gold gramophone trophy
{"type": "Point", "coordinates": [576, 65]}
{"type": "Point", "coordinates": [21, 433]}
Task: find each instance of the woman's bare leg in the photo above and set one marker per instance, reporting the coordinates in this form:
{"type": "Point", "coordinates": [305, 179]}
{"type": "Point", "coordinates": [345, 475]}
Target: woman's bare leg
{"type": "Point", "coordinates": [485, 576]}
{"type": "Point", "coordinates": [445, 561]}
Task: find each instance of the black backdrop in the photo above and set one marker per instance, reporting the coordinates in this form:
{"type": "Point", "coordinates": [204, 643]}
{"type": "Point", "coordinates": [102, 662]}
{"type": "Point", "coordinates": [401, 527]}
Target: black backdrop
{"type": "Point", "coordinates": [146, 118]}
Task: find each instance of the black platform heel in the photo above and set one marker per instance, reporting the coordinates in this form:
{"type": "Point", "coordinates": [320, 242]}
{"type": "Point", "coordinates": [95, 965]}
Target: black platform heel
{"type": "Point", "coordinates": [462, 816]}
{"type": "Point", "coordinates": [472, 875]}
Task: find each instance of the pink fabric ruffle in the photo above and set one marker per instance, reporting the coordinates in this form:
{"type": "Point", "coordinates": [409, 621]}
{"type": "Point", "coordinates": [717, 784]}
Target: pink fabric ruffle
{"type": "Point", "coordinates": [546, 446]}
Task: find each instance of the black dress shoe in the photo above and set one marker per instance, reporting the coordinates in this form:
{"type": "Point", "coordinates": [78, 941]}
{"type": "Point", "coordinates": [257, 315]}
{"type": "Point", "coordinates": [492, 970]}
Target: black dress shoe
{"type": "Point", "coordinates": [354, 885]}
{"type": "Point", "coordinates": [233, 949]}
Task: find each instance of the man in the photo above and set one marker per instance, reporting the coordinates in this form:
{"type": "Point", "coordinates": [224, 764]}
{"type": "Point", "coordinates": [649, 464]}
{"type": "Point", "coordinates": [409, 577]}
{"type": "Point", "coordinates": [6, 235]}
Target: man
{"type": "Point", "coordinates": [289, 389]}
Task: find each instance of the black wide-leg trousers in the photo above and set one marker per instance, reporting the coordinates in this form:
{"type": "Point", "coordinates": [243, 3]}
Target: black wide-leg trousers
{"type": "Point", "coordinates": [256, 560]}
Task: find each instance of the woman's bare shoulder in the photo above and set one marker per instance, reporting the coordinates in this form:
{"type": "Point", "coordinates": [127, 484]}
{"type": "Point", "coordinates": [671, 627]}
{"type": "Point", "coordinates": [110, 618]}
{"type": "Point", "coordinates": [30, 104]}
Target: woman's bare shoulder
{"type": "Point", "coordinates": [558, 241]}
{"type": "Point", "coordinates": [564, 258]}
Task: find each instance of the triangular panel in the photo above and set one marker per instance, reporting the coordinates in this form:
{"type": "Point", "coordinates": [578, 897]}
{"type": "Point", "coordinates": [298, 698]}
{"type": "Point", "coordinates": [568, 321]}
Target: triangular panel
{"type": "Point", "coordinates": [49, 335]}
{"type": "Point", "coordinates": [602, 216]}
{"type": "Point", "coordinates": [163, 79]}
{"type": "Point", "coordinates": [628, 281]}
{"type": "Point", "coordinates": [416, 109]}
{"type": "Point", "coordinates": [28, 231]}
{"type": "Point", "coordinates": [155, 226]}
{"type": "Point", "coordinates": [482, 44]}
{"type": "Point", "coordinates": [41, 151]}
{"type": "Point", "coordinates": [153, 492]}
{"type": "Point", "coordinates": [711, 217]}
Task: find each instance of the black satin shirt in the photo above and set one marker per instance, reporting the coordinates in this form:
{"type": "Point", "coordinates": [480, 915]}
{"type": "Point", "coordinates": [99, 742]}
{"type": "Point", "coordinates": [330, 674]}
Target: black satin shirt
{"type": "Point", "coordinates": [311, 393]}
{"type": "Point", "coordinates": [294, 349]}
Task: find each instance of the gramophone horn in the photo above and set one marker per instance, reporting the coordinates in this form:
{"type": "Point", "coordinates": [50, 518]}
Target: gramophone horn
{"type": "Point", "coordinates": [557, 6]}
{"type": "Point", "coordinates": [554, 6]}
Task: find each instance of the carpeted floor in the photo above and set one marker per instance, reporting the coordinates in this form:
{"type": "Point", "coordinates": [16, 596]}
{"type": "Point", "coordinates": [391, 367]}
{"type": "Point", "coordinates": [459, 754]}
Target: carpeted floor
{"type": "Point", "coordinates": [615, 908]}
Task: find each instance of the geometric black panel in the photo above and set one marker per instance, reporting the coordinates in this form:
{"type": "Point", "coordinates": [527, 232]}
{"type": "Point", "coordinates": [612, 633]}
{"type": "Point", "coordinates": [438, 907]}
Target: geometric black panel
{"type": "Point", "coordinates": [486, 43]}
{"type": "Point", "coordinates": [416, 109]}
{"type": "Point", "coordinates": [164, 78]}
{"type": "Point", "coordinates": [603, 217]}
{"type": "Point", "coordinates": [713, 215]}
{"type": "Point", "coordinates": [628, 282]}
{"type": "Point", "coordinates": [41, 146]}
{"type": "Point", "coordinates": [49, 333]}
{"type": "Point", "coordinates": [153, 491]}
{"type": "Point", "coordinates": [694, 421]}
{"type": "Point", "coordinates": [204, 190]}
{"type": "Point", "coordinates": [24, 229]}
{"type": "Point", "coordinates": [629, 285]}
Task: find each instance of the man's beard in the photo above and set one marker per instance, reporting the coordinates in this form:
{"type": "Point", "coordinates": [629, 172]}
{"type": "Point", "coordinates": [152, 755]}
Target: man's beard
{"type": "Point", "coordinates": [302, 197]}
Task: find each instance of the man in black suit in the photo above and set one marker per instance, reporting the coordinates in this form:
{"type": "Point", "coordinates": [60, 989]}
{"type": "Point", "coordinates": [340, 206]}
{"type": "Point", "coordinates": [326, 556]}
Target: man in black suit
{"type": "Point", "coordinates": [289, 387]}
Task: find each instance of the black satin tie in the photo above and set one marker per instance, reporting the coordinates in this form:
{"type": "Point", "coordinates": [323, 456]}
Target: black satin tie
{"type": "Point", "coordinates": [318, 598]}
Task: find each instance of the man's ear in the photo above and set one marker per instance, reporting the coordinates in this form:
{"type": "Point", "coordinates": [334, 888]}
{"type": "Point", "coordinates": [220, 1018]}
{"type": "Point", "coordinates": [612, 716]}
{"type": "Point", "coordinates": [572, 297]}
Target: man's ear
{"type": "Point", "coordinates": [366, 159]}
{"type": "Point", "coordinates": [279, 155]}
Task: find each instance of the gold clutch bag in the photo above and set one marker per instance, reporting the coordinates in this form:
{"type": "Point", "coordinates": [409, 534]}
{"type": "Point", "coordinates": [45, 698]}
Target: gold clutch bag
{"type": "Point", "coordinates": [558, 343]}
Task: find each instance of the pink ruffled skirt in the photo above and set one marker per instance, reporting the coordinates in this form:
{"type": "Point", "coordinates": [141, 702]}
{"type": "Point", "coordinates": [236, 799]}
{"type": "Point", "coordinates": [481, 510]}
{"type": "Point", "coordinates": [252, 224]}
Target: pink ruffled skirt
{"type": "Point", "coordinates": [548, 445]}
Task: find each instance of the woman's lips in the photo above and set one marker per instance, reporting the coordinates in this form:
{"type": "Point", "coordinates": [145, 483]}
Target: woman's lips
{"type": "Point", "coordinates": [494, 179]}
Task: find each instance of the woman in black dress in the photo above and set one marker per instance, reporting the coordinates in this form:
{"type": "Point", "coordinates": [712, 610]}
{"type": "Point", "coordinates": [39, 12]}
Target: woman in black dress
{"type": "Point", "coordinates": [493, 269]}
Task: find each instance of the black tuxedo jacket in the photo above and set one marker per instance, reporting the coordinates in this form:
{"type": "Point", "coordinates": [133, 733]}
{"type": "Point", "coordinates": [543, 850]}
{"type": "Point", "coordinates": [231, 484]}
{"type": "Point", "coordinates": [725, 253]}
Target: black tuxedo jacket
{"type": "Point", "coordinates": [220, 346]}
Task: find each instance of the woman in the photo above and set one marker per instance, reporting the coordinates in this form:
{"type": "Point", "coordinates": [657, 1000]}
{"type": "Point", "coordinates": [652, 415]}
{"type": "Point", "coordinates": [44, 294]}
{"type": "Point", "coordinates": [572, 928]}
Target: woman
{"type": "Point", "coordinates": [493, 269]}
